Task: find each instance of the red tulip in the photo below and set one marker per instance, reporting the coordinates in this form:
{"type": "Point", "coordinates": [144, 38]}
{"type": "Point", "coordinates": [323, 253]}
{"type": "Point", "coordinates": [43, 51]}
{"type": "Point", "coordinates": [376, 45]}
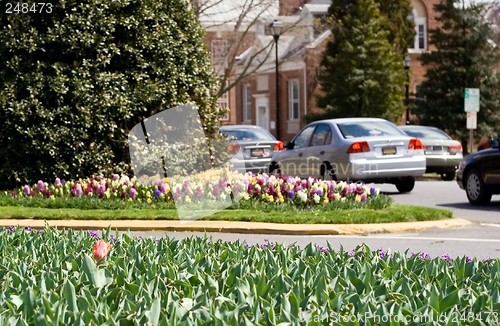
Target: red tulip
{"type": "Point", "coordinates": [101, 250]}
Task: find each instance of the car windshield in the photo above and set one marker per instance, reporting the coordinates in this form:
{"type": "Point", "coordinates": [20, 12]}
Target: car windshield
{"type": "Point", "coordinates": [429, 133]}
{"type": "Point", "coordinates": [368, 129]}
{"type": "Point", "coordinates": [247, 134]}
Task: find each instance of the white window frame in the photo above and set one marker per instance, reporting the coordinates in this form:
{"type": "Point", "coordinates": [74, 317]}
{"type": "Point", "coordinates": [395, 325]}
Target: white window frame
{"type": "Point", "coordinates": [292, 100]}
{"type": "Point", "coordinates": [218, 55]}
{"type": "Point", "coordinates": [419, 21]}
{"type": "Point", "coordinates": [247, 102]}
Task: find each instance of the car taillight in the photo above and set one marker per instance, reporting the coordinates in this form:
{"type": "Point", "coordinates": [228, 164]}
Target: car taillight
{"type": "Point", "coordinates": [455, 148]}
{"type": "Point", "coordinates": [358, 147]}
{"type": "Point", "coordinates": [233, 148]}
{"type": "Point", "coordinates": [278, 146]}
{"type": "Point", "coordinates": [415, 143]}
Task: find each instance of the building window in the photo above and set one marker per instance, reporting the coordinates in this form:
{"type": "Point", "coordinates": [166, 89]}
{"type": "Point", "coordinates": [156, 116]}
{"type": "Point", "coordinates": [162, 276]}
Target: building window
{"type": "Point", "coordinates": [223, 103]}
{"type": "Point", "coordinates": [421, 37]}
{"type": "Point", "coordinates": [247, 103]}
{"type": "Point", "coordinates": [420, 19]}
{"type": "Point", "coordinates": [293, 99]}
{"type": "Point", "coordinates": [218, 55]}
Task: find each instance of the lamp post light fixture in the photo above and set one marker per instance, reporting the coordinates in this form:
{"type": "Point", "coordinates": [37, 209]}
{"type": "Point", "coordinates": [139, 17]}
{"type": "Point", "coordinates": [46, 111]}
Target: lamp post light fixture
{"type": "Point", "coordinates": [276, 28]}
{"type": "Point", "coordinates": [407, 63]}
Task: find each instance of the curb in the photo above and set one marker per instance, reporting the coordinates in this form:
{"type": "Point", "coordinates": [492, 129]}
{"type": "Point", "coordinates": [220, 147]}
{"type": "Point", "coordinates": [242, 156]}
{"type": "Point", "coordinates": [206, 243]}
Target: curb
{"type": "Point", "coordinates": [239, 227]}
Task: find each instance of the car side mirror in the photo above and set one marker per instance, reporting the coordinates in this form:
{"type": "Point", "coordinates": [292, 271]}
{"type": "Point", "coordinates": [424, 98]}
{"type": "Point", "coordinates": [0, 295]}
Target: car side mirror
{"type": "Point", "coordinates": [289, 145]}
{"type": "Point", "coordinates": [494, 143]}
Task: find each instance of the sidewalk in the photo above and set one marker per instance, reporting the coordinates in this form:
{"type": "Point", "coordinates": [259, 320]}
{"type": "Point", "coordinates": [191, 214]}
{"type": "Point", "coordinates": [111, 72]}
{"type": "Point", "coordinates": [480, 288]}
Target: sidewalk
{"type": "Point", "coordinates": [238, 227]}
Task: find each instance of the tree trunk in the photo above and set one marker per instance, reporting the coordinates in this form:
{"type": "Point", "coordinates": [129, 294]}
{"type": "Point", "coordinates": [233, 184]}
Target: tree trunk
{"type": "Point", "coordinates": [465, 147]}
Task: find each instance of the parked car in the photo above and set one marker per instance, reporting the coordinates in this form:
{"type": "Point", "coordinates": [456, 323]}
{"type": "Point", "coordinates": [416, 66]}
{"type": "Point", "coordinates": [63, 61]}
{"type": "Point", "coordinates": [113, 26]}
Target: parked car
{"type": "Point", "coordinates": [479, 174]}
{"type": "Point", "coordinates": [443, 154]}
{"type": "Point", "coordinates": [353, 149]}
{"type": "Point", "coordinates": [257, 146]}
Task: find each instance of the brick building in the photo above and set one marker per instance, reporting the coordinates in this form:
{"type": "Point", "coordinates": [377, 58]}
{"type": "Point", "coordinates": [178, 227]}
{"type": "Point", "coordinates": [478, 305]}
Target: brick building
{"type": "Point", "coordinates": [253, 99]}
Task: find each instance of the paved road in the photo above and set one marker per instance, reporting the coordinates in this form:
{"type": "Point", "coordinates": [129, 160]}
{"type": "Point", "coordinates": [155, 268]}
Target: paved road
{"type": "Point", "coordinates": [447, 195]}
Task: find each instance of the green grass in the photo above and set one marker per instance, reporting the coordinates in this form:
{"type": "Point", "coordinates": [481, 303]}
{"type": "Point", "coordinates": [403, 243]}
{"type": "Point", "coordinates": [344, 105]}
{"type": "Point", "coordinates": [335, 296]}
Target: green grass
{"type": "Point", "coordinates": [392, 213]}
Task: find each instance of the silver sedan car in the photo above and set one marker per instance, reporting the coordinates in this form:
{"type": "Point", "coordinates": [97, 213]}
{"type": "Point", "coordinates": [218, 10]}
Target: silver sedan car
{"type": "Point", "coordinates": [255, 146]}
{"type": "Point", "coordinates": [368, 150]}
{"type": "Point", "coordinates": [443, 154]}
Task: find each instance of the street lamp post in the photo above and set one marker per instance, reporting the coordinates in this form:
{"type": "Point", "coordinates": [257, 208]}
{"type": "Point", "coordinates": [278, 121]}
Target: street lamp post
{"type": "Point", "coordinates": [407, 63]}
{"type": "Point", "coordinates": [276, 28]}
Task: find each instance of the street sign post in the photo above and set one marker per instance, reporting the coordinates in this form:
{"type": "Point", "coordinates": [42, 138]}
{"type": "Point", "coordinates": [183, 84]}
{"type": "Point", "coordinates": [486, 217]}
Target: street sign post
{"type": "Point", "coordinates": [471, 100]}
{"type": "Point", "coordinates": [471, 120]}
{"type": "Point", "coordinates": [471, 106]}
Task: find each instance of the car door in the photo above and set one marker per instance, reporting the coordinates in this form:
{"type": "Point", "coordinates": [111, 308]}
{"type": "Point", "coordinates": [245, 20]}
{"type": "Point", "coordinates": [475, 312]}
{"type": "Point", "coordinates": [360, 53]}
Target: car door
{"type": "Point", "coordinates": [315, 154]}
{"type": "Point", "coordinates": [293, 161]}
{"type": "Point", "coordinates": [490, 166]}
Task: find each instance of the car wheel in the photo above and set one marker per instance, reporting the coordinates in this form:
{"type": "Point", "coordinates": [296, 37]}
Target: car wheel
{"type": "Point", "coordinates": [475, 188]}
{"type": "Point", "coordinates": [405, 185]}
{"type": "Point", "coordinates": [274, 169]}
{"type": "Point", "coordinates": [449, 176]}
{"type": "Point", "coordinates": [326, 172]}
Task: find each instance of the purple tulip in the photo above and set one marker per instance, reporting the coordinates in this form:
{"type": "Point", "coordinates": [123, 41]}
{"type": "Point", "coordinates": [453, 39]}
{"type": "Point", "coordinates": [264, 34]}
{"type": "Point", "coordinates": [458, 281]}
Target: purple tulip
{"type": "Point", "coordinates": [133, 193]}
{"type": "Point", "coordinates": [57, 182]}
{"type": "Point", "coordinates": [79, 191]}
{"type": "Point", "coordinates": [425, 256]}
{"type": "Point", "coordinates": [447, 257]}
{"type": "Point", "coordinates": [40, 186]}
{"type": "Point", "coordinates": [373, 191]}
{"type": "Point", "coordinates": [291, 195]}
{"type": "Point", "coordinates": [40, 231]}
{"type": "Point", "coordinates": [215, 191]}
{"type": "Point", "coordinates": [11, 228]}
{"type": "Point", "coordinates": [101, 190]}
{"type": "Point", "coordinates": [177, 193]}
{"type": "Point", "coordinates": [63, 181]}
{"type": "Point", "coordinates": [198, 192]}
{"type": "Point", "coordinates": [319, 192]}
{"type": "Point", "coordinates": [363, 197]}
{"type": "Point", "coordinates": [28, 229]}
{"type": "Point", "coordinates": [116, 177]}
{"type": "Point", "coordinates": [157, 193]}
{"type": "Point", "coordinates": [27, 190]}
{"type": "Point", "coordinates": [163, 188]}
{"type": "Point", "coordinates": [93, 234]}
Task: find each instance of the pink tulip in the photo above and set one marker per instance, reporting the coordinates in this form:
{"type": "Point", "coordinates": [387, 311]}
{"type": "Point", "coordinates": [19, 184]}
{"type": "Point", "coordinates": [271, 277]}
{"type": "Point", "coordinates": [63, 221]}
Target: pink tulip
{"type": "Point", "coordinates": [101, 250]}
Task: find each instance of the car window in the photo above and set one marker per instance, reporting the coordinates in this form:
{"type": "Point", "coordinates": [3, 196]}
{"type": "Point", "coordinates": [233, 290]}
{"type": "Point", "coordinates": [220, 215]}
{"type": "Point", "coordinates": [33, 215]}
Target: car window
{"type": "Point", "coordinates": [328, 140]}
{"type": "Point", "coordinates": [320, 134]}
{"type": "Point", "coordinates": [369, 129]}
{"type": "Point", "coordinates": [303, 138]}
{"type": "Point", "coordinates": [427, 133]}
{"type": "Point", "coordinates": [247, 134]}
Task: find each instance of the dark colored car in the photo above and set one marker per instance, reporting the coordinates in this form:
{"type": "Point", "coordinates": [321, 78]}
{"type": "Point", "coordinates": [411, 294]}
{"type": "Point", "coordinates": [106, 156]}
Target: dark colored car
{"type": "Point", "coordinates": [257, 146]}
{"type": "Point", "coordinates": [479, 174]}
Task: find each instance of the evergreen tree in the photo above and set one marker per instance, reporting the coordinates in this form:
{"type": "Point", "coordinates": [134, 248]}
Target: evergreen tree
{"type": "Point", "coordinates": [76, 76]}
{"type": "Point", "coordinates": [401, 29]}
{"type": "Point", "coordinates": [464, 58]}
{"type": "Point", "coordinates": [360, 73]}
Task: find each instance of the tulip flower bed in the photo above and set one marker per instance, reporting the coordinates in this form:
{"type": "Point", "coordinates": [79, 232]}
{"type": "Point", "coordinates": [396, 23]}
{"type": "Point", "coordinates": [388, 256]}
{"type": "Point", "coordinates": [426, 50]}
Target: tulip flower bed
{"type": "Point", "coordinates": [52, 277]}
{"type": "Point", "coordinates": [304, 193]}
{"type": "Point", "coordinates": [156, 198]}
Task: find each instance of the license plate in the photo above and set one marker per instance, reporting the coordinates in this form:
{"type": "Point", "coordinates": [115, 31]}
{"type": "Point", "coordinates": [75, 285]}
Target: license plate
{"type": "Point", "coordinates": [389, 150]}
{"type": "Point", "coordinates": [260, 152]}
